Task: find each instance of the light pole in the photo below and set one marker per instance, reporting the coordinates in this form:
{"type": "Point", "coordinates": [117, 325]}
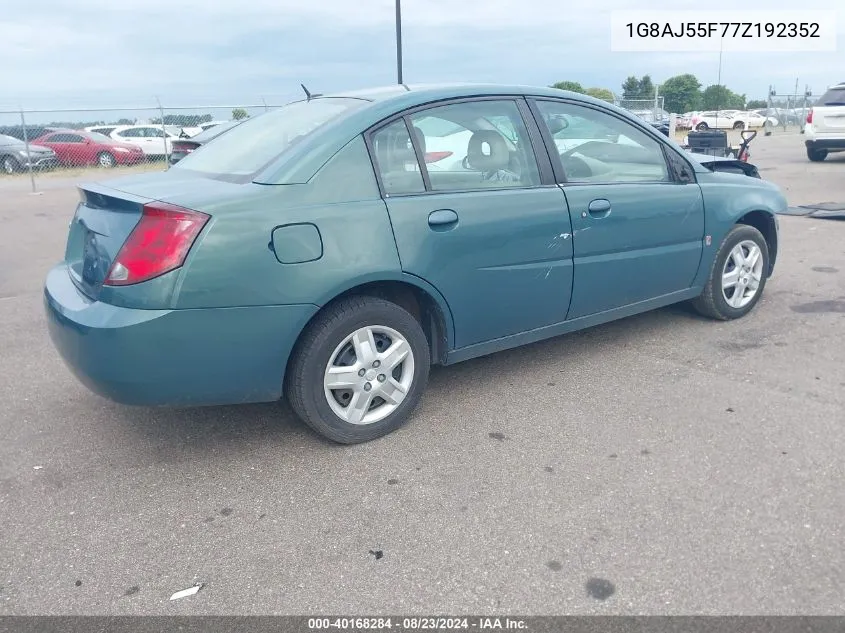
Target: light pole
{"type": "Point", "coordinates": [399, 42]}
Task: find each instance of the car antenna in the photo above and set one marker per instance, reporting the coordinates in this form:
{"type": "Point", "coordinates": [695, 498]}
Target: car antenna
{"type": "Point", "coordinates": [308, 95]}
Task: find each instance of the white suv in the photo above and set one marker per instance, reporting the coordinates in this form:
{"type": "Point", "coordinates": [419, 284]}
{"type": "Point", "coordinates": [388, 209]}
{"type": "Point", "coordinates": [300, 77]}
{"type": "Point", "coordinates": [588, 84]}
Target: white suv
{"type": "Point", "coordinates": [825, 129]}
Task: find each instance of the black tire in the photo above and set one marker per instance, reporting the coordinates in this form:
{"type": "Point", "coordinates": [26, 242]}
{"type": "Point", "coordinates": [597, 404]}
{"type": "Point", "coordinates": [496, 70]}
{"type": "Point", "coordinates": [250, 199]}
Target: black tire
{"type": "Point", "coordinates": [816, 155]}
{"type": "Point", "coordinates": [106, 160]}
{"type": "Point", "coordinates": [702, 127]}
{"type": "Point", "coordinates": [739, 125]}
{"type": "Point", "coordinates": [9, 165]}
{"type": "Point", "coordinates": [711, 303]}
{"type": "Point", "coordinates": [304, 388]}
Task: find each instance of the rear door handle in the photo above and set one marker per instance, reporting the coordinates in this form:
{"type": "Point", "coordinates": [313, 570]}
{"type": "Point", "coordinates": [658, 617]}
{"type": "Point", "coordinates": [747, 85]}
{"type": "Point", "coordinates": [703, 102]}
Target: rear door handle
{"type": "Point", "coordinates": [442, 218]}
{"type": "Point", "coordinates": [599, 208]}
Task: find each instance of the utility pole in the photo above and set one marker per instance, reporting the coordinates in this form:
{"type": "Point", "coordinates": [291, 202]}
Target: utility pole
{"type": "Point", "coordinates": [399, 42]}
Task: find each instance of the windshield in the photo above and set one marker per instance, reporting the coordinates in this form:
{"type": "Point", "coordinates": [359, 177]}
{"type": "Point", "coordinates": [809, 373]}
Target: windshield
{"type": "Point", "coordinates": [8, 140]}
{"type": "Point", "coordinates": [100, 138]}
{"type": "Point", "coordinates": [247, 148]}
{"type": "Point", "coordinates": [833, 97]}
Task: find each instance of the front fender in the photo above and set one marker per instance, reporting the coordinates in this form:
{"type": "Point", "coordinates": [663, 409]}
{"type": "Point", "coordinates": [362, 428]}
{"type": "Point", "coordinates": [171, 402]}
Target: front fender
{"type": "Point", "coordinates": [727, 199]}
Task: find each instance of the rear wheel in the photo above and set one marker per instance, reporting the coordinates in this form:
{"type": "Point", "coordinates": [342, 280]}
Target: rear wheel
{"type": "Point", "coordinates": [739, 125]}
{"type": "Point", "coordinates": [701, 127]}
{"type": "Point", "coordinates": [737, 277]}
{"type": "Point", "coordinates": [816, 155]}
{"type": "Point", "coordinates": [359, 370]}
{"type": "Point", "coordinates": [10, 165]}
{"type": "Point", "coordinates": [106, 160]}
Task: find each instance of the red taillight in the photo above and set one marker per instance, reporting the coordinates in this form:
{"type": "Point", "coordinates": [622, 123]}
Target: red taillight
{"type": "Point", "coordinates": [810, 116]}
{"type": "Point", "coordinates": [433, 157]}
{"type": "Point", "coordinates": [158, 244]}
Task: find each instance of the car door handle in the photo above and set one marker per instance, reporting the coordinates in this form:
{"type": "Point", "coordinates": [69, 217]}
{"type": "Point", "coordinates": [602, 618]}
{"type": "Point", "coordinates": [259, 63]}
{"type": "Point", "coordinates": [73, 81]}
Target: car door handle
{"type": "Point", "coordinates": [599, 208]}
{"type": "Point", "coordinates": [442, 218]}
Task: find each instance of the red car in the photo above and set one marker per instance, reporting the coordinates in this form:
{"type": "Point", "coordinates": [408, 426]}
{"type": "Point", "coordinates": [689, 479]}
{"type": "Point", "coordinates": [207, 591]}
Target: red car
{"type": "Point", "coordinates": [74, 147]}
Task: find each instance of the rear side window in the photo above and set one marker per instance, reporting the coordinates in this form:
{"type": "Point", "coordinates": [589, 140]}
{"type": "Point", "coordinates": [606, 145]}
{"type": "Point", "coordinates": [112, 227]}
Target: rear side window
{"type": "Point", "coordinates": [833, 97]}
{"type": "Point", "coordinates": [396, 161]}
{"type": "Point", "coordinates": [252, 145]}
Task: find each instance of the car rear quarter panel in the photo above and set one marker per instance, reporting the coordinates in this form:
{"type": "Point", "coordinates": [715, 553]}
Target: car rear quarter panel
{"type": "Point", "coordinates": [234, 264]}
{"type": "Point", "coordinates": [727, 199]}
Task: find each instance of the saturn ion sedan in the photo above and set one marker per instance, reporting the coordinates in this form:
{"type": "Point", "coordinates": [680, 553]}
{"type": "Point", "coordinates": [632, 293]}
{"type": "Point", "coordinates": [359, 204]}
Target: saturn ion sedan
{"type": "Point", "coordinates": [314, 253]}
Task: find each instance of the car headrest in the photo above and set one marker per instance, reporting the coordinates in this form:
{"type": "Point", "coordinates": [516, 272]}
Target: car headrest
{"type": "Point", "coordinates": [393, 150]}
{"type": "Point", "coordinates": [488, 151]}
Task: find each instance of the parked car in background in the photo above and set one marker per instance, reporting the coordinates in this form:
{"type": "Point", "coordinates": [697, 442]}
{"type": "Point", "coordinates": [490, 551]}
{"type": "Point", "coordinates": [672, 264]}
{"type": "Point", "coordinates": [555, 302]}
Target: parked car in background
{"type": "Point", "coordinates": [683, 121]}
{"type": "Point", "coordinates": [824, 131]}
{"type": "Point", "coordinates": [726, 119]}
{"type": "Point", "coordinates": [311, 252]}
{"type": "Point", "coordinates": [16, 156]}
{"type": "Point", "coordinates": [105, 130]}
{"type": "Point", "coordinates": [32, 131]}
{"type": "Point", "coordinates": [78, 147]}
{"type": "Point", "coordinates": [210, 124]}
{"type": "Point", "coordinates": [155, 140]}
{"type": "Point", "coordinates": [184, 146]}
{"type": "Point", "coordinates": [770, 116]}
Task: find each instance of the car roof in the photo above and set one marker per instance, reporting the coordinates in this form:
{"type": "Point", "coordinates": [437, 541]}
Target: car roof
{"type": "Point", "coordinates": [386, 101]}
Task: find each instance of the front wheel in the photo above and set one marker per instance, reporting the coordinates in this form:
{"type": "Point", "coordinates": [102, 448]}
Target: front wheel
{"type": "Point", "coordinates": [359, 370]}
{"type": "Point", "coordinates": [737, 277]}
{"type": "Point", "coordinates": [106, 160]}
{"type": "Point", "coordinates": [702, 127]}
{"type": "Point", "coordinates": [739, 125]}
{"type": "Point", "coordinates": [10, 165]}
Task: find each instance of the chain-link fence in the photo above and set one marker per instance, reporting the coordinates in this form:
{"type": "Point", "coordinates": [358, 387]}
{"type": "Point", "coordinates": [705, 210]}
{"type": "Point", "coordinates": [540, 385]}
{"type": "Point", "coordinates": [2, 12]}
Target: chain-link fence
{"type": "Point", "coordinates": [46, 144]}
{"type": "Point", "coordinates": [650, 110]}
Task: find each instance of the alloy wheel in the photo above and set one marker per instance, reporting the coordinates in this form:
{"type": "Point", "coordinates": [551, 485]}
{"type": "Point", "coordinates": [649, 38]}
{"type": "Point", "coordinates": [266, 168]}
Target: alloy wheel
{"type": "Point", "coordinates": [369, 374]}
{"type": "Point", "coordinates": [742, 274]}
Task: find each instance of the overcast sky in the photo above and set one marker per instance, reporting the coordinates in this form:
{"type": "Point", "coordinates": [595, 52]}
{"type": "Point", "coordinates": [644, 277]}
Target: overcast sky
{"type": "Point", "coordinates": [93, 53]}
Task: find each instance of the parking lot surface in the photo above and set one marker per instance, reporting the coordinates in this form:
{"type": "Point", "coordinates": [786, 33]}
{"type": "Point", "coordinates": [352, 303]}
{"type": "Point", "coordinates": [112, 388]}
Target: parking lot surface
{"type": "Point", "coordinates": [663, 464]}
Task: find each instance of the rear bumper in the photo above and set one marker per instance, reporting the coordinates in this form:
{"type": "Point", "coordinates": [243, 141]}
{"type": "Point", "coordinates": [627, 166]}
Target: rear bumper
{"type": "Point", "coordinates": [172, 357]}
{"type": "Point", "coordinates": [833, 144]}
{"type": "Point", "coordinates": [49, 162]}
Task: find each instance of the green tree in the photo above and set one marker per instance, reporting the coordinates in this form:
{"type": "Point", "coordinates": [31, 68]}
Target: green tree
{"type": "Point", "coordinates": [636, 88]}
{"type": "Point", "coordinates": [681, 93]}
{"type": "Point", "coordinates": [756, 104]}
{"type": "Point", "coordinates": [717, 97]}
{"type": "Point", "coordinates": [601, 93]}
{"type": "Point", "coordinates": [631, 88]}
{"type": "Point", "coordinates": [239, 113]}
{"type": "Point", "coordinates": [646, 87]}
{"type": "Point", "coordinates": [572, 86]}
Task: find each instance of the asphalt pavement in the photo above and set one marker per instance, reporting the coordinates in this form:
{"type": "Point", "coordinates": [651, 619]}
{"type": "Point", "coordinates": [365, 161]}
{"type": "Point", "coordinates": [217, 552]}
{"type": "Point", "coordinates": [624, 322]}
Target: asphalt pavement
{"type": "Point", "coordinates": [663, 464]}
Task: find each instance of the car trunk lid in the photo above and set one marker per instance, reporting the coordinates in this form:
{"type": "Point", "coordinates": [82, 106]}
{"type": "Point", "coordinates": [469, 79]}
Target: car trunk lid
{"type": "Point", "coordinates": [160, 206]}
{"type": "Point", "coordinates": [103, 221]}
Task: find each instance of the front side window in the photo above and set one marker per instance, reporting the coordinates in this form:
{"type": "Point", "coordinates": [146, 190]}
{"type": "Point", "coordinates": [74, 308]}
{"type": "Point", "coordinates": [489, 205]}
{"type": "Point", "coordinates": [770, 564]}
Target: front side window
{"type": "Point", "coordinates": [73, 138]}
{"type": "Point", "coordinates": [487, 146]}
{"type": "Point", "coordinates": [595, 146]}
{"type": "Point", "coordinates": [252, 145]}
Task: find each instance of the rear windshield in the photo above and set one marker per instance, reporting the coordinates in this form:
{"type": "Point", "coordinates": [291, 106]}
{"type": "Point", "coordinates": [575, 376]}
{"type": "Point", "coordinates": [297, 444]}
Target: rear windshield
{"type": "Point", "coordinates": [833, 97]}
{"type": "Point", "coordinates": [247, 148]}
